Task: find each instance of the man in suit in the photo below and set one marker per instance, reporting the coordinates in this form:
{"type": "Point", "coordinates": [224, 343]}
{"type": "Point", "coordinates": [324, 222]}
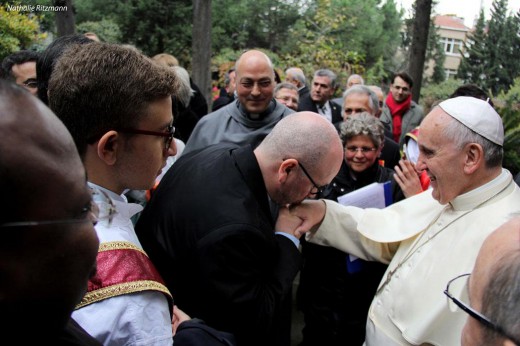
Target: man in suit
{"type": "Point", "coordinates": [318, 101]}
{"type": "Point", "coordinates": [215, 246]}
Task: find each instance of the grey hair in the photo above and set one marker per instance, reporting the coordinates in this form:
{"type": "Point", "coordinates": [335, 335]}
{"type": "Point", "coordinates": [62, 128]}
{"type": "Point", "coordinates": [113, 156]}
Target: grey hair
{"type": "Point", "coordinates": [363, 124]}
{"type": "Point", "coordinates": [284, 85]}
{"type": "Point", "coordinates": [327, 73]}
{"type": "Point", "coordinates": [461, 135]}
{"type": "Point", "coordinates": [185, 91]}
{"type": "Point", "coordinates": [297, 74]}
{"type": "Point", "coordinates": [227, 78]}
{"type": "Point", "coordinates": [373, 100]}
{"type": "Point", "coordinates": [500, 300]}
{"type": "Point", "coordinates": [303, 140]}
{"type": "Point", "coordinates": [355, 76]}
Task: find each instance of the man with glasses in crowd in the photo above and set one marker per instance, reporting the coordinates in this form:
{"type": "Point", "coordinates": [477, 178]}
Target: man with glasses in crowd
{"type": "Point", "coordinates": [400, 113]}
{"type": "Point", "coordinates": [20, 67]}
{"type": "Point", "coordinates": [117, 105]}
{"type": "Point", "coordinates": [252, 116]}
{"type": "Point", "coordinates": [216, 247]}
{"type": "Point", "coordinates": [428, 238]}
{"type": "Point", "coordinates": [490, 295]}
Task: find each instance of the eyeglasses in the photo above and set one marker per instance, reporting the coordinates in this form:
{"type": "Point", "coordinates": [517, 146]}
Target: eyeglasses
{"type": "Point", "coordinates": [459, 280]}
{"type": "Point", "coordinates": [363, 150]}
{"type": "Point", "coordinates": [30, 83]}
{"type": "Point", "coordinates": [100, 209]}
{"type": "Point", "coordinates": [316, 189]}
{"type": "Point", "coordinates": [168, 135]}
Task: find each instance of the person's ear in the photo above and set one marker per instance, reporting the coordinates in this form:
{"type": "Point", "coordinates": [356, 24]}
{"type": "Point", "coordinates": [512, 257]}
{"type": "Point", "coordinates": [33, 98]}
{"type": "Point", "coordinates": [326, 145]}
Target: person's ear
{"type": "Point", "coordinates": [107, 147]}
{"type": "Point", "coordinates": [286, 167]}
{"type": "Point", "coordinates": [474, 157]}
{"type": "Point", "coordinates": [508, 342]}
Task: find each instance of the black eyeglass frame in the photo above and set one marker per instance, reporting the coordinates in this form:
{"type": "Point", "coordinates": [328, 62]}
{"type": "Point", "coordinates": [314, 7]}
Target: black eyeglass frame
{"type": "Point", "coordinates": [319, 189]}
{"type": "Point", "coordinates": [111, 211]}
{"type": "Point", "coordinates": [168, 136]}
{"type": "Point", "coordinates": [475, 314]}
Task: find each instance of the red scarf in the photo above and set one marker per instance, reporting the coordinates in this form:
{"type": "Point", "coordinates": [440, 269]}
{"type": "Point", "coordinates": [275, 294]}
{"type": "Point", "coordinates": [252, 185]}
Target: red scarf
{"type": "Point", "coordinates": [397, 110]}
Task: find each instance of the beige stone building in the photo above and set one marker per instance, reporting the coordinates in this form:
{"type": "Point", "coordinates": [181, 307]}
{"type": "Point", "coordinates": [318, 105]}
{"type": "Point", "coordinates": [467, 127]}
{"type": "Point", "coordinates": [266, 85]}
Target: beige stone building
{"type": "Point", "coordinates": [453, 34]}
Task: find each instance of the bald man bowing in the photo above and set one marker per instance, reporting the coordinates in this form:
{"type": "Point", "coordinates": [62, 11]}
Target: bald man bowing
{"type": "Point", "coordinates": [209, 227]}
{"type": "Point", "coordinates": [431, 237]}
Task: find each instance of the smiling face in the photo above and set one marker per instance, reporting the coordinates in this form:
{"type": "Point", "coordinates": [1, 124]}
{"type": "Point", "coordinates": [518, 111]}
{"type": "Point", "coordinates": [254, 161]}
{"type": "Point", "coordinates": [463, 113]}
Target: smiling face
{"type": "Point", "coordinates": [441, 158]}
{"type": "Point", "coordinates": [255, 81]}
{"type": "Point", "coordinates": [360, 160]}
{"type": "Point", "coordinates": [288, 97]}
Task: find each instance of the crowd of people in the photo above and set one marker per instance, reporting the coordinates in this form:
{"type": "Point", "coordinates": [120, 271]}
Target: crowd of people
{"type": "Point", "coordinates": [232, 204]}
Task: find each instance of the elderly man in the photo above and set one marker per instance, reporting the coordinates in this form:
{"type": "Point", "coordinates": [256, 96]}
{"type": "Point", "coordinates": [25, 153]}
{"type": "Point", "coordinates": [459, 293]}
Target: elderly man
{"type": "Point", "coordinates": [295, 76]}
{"type": "Point", "coordinates": [353, 79]}
{"type": "Point", "coordinates": [431, 237]}
{"type": "Point", "coordinates": [287, 94]}
{"type": "Point", "coordinates": [49, 246]}
{"type": "Point", "coordinates": [216, 246]}
{"type": "Point", "coordinates": [20, 67]}
{"type": "Point", "coordinates": [318, 101]}
{"type": "Point", "coordinates": [492, 302]}
{"type": "Point", "coordinates": [250, 118]}
{"type": "Point", "coordinates": [400, 113]}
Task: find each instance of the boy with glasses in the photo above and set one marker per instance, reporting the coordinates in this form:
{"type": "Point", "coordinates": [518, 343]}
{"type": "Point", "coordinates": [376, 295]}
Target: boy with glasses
{"type": "Point", "coordinates": [117, 105]}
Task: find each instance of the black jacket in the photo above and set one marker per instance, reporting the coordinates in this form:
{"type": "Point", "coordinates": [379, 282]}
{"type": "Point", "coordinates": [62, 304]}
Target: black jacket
{"type": "Point", "coordinates": [209, 230]}
{"type": "Point", "coordinates": [307, 104]}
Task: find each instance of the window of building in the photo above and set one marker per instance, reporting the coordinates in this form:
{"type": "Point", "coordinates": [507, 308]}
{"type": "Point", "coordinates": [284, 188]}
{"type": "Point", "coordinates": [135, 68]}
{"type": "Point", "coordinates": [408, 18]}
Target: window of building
{"type": "Point", "coordinates": [451, 45]}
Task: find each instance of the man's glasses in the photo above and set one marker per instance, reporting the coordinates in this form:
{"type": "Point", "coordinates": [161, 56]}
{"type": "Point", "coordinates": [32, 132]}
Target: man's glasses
{"type": "Point", "coordinates": [316, 189]}
{"type": "Point", "coordinates": [168, 135]}
{"type": "Point", "coordinates": [363, 150]}
{"type": "Point", "coordinates": [101, 209]}
{"type": "Point", "coordinates": [460, 283]}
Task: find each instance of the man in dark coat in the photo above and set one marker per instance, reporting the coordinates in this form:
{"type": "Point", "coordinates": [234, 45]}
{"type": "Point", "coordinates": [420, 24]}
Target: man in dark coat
{"type": "Point", "coordinates": [319, 99]}
{"type": "Point", "coordinates": [209, 227]}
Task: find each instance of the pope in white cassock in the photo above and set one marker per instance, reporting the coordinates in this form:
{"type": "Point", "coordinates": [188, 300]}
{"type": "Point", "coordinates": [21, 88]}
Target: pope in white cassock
{"type": "Point", "coordinates": [431, 237]}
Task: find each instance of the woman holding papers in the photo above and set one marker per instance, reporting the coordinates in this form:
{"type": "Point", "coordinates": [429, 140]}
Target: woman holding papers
{"type": "Point", "coordinates": [336, 288]}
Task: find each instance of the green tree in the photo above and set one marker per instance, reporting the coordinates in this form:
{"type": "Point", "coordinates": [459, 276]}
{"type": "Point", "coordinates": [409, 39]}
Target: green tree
{"type": "Point", "coordinates": [498, 42]}
{"type": "Point", "coordinates": [19, 31]}
{"type": "Point", "coordinates": [508, 106]}
{"type": "Point", "coordinates": [105, 29]}
{"type": "Point", "coordinates": [473, 64]}
{"type": "Point", "coordinates": [492, 55]}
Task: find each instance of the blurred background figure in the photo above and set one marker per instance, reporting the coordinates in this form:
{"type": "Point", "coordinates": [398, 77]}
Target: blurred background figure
{"type": "Point", "coordinates": [227, 93]}
{"type": "Point", "coordinates": [20, 67]}
{"type": "Point", "coordinates": [287, 94]}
